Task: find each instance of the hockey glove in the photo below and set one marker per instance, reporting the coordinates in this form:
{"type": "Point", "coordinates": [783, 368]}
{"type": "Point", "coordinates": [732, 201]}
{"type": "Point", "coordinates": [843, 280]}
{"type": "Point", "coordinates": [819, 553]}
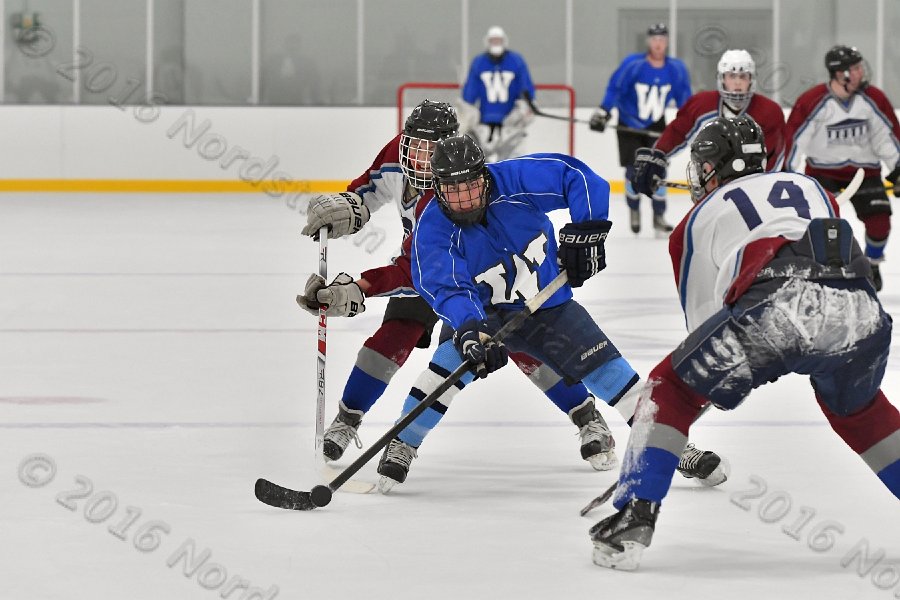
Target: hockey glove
{"type": "Point", "coordinates": [894, 178]}
{"type": "Point", "coordinates": [581, 250]}
{"type": "Point", "coordinates": [650, 167]}
{"type": "Point", "coordinates": [342, 298]}
{"type": "Point", "coordinates": [343, 214]}
{"type": "Point", "coordinates": [475, 345]}
{"type": "Point", "coordinates": [599, 119]}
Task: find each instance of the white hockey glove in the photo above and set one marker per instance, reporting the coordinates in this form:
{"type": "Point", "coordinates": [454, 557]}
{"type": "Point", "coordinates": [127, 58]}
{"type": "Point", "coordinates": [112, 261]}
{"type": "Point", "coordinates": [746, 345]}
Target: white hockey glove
{"type": "Point", "coordinates": [468, 115]}
{"type": "Point", "coordinates": [341, 298]}
{"type": "Point", "coordinates": [520, 116]}
{"type": "Point", "coordinates": [343, 214]}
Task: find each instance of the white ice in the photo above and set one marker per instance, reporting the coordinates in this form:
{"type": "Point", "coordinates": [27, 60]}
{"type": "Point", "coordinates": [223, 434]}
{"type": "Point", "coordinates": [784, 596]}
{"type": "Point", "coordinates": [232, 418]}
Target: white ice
{"type": "Point", "coordinates": [152, 345]}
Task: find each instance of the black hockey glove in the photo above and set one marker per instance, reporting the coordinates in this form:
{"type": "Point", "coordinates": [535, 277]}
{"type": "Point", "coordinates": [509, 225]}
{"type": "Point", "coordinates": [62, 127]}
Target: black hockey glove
{"type": "Point", "coordinates": [650, 167]}
{"type": "Point", "coordinates": [599, 119]}
{"type": "Point", "coordinates": [581, 251]}
{"type": "Point", "coordinates": [474, 344]}
{"type": "Point", "coordinates": [894, 178]}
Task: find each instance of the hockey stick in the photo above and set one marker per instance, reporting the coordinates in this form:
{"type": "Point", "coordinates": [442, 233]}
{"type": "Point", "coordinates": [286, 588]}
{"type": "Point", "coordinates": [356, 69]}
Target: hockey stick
{"type": "Point", "coordinates": [281, 497]}
{"type": "Point", "coordinates": [541, 113]}
{"type": "Point", "coordinates": [322, 331]}
{"type": "Point", "coordinates": [605, 496]}
{"type": "Point", "coordinates": [673, 184]}
{"type": "Point", "coordinates": [852, 187]}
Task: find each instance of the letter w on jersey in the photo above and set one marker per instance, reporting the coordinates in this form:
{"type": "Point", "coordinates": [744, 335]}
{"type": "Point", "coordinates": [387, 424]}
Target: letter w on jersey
{"type": "Point", "coordinates": [496, 85]}
{"type": "Point", "coordinates": [651, 100]}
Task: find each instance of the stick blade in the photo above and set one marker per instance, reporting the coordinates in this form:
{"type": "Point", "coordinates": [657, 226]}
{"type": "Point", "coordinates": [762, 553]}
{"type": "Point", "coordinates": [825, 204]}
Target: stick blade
{"type": "Point", "coordinates": [600, 500]}
{"type": "Point", "coordinates": [282, 497]}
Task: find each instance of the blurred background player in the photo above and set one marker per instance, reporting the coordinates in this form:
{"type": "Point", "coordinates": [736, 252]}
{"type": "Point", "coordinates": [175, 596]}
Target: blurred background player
{"type": "Point", "coordinates": [840, 126]}
{"type": "Point", "coordinates": [771, 282]}
{"type": "Point", "coordinates": [475, 284]}
{"type": "Point", "coordinates": [736, 95]}
{"type": "Point", "coordinates": [497, 98]}
{"type": "Point", "coordinates": [401, 175]}
{"type": "Point", "coordinates": [640, 89]}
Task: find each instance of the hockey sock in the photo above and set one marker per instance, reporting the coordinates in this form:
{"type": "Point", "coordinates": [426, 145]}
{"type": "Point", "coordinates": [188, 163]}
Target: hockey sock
{"type": "Point", "coordinates": [658, 436]}
{"type": "Point", "coordinates": [378, 361]}
{"type": "Point", "coordinates": [874, 434]}
{"type": "Point", "coordinates": [565, 397]}
{"type": "Point", "coordinates": [659, 202]}
{"type": "Point", "coordinates": [878, 228]}
{"type": "Point", "coordinates": [611, 382]}
{"type": "Point", "coordinates": [631, 197]}
{"type": "Point", "coordinates": [445, 360]}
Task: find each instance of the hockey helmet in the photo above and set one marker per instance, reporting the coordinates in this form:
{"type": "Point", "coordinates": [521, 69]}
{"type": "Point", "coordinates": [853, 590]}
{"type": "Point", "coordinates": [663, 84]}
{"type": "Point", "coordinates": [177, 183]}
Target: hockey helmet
{"type": "Point", "coordinates": [732, 147]}
{"type": "Point", "coordinates": [496, 41]}
{"type": "Point", "coordinates": [427, 123]}
{"type": "Point", "coordinates": [840, 58]}
{"type": "Point", "coordinates": [460, 182]}
{"type": "Point", "coordinates": [658, 29]}
{"type": "Point", "coordinates": [736, 61]}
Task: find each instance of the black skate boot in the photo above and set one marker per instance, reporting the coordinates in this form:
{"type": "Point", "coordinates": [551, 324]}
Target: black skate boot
{"type": "Point", "coordinates": [394, 464]}
{"type": "Point", "coordinates": [619, 540]}
{"type": "Point", "coordinates": [660, 226]}
{"type": "Point", "coordinates": [597, 443]}
{"type": "Point", "coordinates": [341, 431]}
{"type": "Point", "coordinates": [705, 465]}
{"type": "Point", "coordinates": [635, 220]}
{"type": "Point", "coordinates": [876, 277]}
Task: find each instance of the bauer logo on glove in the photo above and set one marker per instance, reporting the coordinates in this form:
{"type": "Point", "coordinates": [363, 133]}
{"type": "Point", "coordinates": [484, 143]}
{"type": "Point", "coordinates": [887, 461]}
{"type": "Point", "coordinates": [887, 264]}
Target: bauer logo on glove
{"type": "Point", "coordinates": [341, 298]}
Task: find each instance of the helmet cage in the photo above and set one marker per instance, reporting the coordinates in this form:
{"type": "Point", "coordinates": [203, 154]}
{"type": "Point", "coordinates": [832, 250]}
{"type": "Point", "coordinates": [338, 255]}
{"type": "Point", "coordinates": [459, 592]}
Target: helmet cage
{"type": "Point", "coordinates": [427, 123]}
{"type": "Point", "coordinates": [736, 61]}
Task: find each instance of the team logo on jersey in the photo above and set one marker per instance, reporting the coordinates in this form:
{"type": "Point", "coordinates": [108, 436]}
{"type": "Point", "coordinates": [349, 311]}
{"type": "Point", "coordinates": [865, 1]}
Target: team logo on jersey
{"type": "Point", "coordinates": [651, 100]}
{"type": "Point", "coordinates": [849, 132]}
{"type": "Point", "coordinates": [496, 85]}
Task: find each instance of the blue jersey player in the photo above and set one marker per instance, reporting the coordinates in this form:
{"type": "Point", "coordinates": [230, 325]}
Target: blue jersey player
{"type": "Point", "coordinates": [640, 90]}
{"type": "Point", "coordinates": [484, 248]}
{"type": "Point", "coordinates": [497, 98]}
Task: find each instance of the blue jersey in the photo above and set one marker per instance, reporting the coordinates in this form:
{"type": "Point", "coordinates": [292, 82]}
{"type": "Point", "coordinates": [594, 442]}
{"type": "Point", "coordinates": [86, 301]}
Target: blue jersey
{"type": "Point", "coordinates": [495, 86]}
{"type": "Point", "coordinates": [641, 91]}
{"type": "Point", "coordinates": [511, 255]}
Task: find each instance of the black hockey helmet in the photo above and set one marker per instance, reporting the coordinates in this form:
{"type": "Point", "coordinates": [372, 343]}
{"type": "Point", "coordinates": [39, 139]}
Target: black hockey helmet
{"type": "Point", "coordinates": [733, 147]}
{"type": "Point", "coordinates": [426, 124]}
{"type": "Point", "coordinates": [840, 58]}
{"type": "Point", "coordinates": [658, 29]}
{"type": "Point", "coordinates": [458, 161]}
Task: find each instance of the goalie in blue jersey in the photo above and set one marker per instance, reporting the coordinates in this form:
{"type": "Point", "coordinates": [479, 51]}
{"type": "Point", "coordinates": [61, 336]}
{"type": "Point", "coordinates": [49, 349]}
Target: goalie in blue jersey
{"type": "Point", "coordinates": [640, 90]}
{"type": "Point", "coordinates": [485, 247]}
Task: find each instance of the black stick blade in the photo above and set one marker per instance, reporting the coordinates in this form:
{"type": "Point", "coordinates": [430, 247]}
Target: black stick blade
{"type": "Point", "coordinates": [282, 497]}
{"type": "Point", "coordinates": [601, 499]}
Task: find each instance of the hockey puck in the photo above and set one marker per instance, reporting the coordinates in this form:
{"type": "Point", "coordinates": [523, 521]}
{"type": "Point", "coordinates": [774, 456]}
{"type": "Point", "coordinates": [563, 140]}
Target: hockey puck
{"type": "Point", "coordinates": [320, 495]}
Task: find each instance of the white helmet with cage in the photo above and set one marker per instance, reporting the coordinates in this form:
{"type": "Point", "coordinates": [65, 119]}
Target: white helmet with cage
{"type": "Point", "coordinates": [736, 61]}
{"type": "Point", "coordinates": [496, 41]}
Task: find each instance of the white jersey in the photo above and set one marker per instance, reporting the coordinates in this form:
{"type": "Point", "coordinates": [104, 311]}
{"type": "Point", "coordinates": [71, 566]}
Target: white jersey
{"type": "Point", "coordinates": [714, 236]}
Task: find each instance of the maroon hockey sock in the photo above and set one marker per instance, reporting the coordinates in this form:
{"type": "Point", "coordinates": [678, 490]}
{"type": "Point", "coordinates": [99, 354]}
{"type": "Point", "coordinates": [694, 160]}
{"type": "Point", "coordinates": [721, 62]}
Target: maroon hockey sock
{"type": "Point", "coordinates": [866, 428]}
{"type": "Point", "coordinates": [678, 405]}
{"type": "Point", "coordinates": [396, 339]}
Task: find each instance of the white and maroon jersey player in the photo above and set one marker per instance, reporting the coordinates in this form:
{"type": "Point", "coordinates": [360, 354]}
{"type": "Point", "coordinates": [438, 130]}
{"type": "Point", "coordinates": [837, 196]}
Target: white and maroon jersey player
{"type": "Point", "coordinates": [384, 183]}
{"type": "Point", "coordinates": [736, 230]}
{"type": "Point", "coordinates": [837, 137]}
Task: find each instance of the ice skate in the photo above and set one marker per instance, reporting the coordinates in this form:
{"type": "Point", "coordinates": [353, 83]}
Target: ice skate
{"type": "Point", "coordinates": [876, 277]}
{"type": "Point", "coordinates": [620, 539]}
{"type": "Point", "coordinates": [597, 443]}
{"type": "Point", "coordinates": [635, 220]}
{"type": "Point", "coordinates": [394, 464]}
{"type": "Point", "coordinates": [341, 431]}
{"type": "Point", "coordinates": [705, 465]}
{"type": "Point", "coordinates": [660, 227]}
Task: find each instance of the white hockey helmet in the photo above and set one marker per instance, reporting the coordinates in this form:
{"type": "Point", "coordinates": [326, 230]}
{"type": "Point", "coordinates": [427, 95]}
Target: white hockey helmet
{"type": "Point", "coordinates": [496, 41]}
{"type": "Point", "coordinates": [736, 61]}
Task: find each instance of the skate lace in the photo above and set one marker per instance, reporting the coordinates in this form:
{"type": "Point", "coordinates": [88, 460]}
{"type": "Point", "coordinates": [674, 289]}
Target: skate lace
{"type": "Point", "coordinates": [594, 431]}
{"type": "Point", "coordinates": [340, 433]}
{"type": "Point", "coordinates": [400, 453]}
{"type": "Point", "coordinates": [689, 458]}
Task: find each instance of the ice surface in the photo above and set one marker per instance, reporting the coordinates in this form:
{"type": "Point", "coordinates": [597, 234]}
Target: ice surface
{"type": "Point", "coordinates": [152, 345]}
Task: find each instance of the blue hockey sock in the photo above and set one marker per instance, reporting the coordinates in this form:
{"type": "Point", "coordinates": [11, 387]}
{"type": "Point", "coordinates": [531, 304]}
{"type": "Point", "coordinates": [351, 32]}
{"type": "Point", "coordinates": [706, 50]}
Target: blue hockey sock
{"type": "Point", "coordinates": [362, 390]}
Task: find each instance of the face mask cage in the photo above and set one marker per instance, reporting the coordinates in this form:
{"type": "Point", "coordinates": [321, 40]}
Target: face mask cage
{"type": "Point", "coordinates": [737, 100]}
{"type": "Point", "coordinates": [697, 180]}
{"type": "Point", "coordinates": [415, 160]}
{"type": "Point", "coordinates": [464, 202]}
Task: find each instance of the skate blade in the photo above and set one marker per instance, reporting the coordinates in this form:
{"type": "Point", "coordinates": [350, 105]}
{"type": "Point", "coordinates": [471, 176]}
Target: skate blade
{"type": "Point", "coordinates": [605, 461]}
{"type": "Point", "coordinates": [719, 474]}
{"type": "Point", "coordinates": [386, 484]}
{"type": "Point", "coordinates": [626, 560]}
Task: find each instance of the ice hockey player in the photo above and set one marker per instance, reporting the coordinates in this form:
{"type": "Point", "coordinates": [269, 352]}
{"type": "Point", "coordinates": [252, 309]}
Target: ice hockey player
{"type": "Point", "coordinates": [485, 247]}
{"type": "Point", "coordinates": [840, 126]}
{"type": "Point", "coordinates": [401, 175]}
{"type": "Point", "coordinates": [772, 282]}
{"type": "Point", "coordinates": [497, 98]}
{"type": "Point", "coordinates": [736, 95]}
{"type": "Point", "coordinates": [640, 89]}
